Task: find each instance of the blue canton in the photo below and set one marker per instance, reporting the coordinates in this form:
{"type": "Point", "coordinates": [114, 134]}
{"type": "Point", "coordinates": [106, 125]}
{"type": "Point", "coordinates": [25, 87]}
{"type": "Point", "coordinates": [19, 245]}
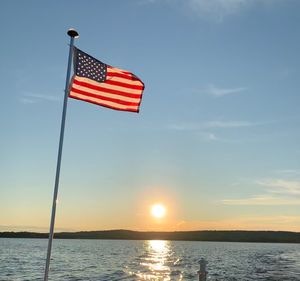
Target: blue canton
{"type": "Point", "coordinates": [89, 67]}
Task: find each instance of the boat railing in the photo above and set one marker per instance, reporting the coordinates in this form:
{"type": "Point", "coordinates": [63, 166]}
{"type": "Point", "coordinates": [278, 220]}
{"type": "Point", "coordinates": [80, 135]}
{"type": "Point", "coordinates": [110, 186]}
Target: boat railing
{"type": "Point", "coordinates": [202, 273]}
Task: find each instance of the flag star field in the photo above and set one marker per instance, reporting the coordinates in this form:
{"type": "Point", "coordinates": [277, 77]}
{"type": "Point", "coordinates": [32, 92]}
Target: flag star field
{"type": "Point", "coordinates": [89, 67]}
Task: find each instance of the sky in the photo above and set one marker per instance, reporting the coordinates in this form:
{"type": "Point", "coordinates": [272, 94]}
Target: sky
{"type": "Point", "coordinates": [217, 139]}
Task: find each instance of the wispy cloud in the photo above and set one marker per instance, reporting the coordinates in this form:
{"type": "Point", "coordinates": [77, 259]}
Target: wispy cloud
{"type": "Point", "coordinates": [215, 124]}
{"type": "Point", "coordinates": [32, 228]}
{"type": "Point", "coordinates": [207, 130]}
{"type": "Point", "coordinates": [221, 92]}
{"type": "Point", "coordinates": [289, 172]}
{"type": "Point", "coordinates": [281, 186]}
{"type": "Point", "coordinates": [217, 10]}
{"type": "Point", "coordinates": [228, 124]}
{"type": "Point", "coordinates": [287, 223]}
{"type": "Point", "coordinates": [277, 192]}
{"type": "Point", "coordinates": [208, 136]}
{"type": "Point", "coordinates": [26, 101]}
{"type": "Point", "coordinates": [198, 128]}
{"type": "Point", "coordinates": [261, 200]}
{"type": "Point", "coordinates": [30, 98]}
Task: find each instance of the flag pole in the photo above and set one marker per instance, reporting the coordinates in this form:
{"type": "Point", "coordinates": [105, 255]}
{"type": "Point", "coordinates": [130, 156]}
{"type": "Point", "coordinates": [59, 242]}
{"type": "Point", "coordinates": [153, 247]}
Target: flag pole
{"type": "Point", "coordinates": [73, 34]}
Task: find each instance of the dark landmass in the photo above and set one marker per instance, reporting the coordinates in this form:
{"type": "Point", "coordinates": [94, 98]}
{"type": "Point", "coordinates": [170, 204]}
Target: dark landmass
{"type": "Point", "coordinates": [220, 236]}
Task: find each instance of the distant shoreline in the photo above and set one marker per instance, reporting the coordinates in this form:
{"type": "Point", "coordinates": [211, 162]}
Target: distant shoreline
{"type": "Point", "coordinates": [205, 235]}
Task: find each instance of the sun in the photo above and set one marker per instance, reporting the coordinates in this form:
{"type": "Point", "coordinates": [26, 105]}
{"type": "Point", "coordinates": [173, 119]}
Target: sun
{"type": "Point", "coordinates": [158, 211]}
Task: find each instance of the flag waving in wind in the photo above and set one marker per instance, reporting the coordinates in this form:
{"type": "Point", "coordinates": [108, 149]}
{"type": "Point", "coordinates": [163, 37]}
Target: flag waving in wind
{"type": "Point", "coordinates": [102, 84]}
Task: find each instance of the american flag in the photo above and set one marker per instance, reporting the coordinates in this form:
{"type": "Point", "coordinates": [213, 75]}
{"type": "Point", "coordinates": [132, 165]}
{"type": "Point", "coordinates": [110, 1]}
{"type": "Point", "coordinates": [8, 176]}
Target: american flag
{"type": "Point", "coordinates": [102, 84]}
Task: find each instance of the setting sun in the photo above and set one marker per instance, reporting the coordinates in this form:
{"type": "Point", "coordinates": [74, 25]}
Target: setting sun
{"type": "Point", "coordinates": [158, 211]}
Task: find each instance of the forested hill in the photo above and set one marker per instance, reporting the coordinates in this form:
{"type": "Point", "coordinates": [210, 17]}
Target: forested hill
{"type": "Point", "coordinates": [224, 236]}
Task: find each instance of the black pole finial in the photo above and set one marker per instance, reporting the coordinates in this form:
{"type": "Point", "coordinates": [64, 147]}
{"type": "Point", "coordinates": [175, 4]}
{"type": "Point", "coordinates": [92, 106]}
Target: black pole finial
{"type": "Point", "coordinates": [73, 33]}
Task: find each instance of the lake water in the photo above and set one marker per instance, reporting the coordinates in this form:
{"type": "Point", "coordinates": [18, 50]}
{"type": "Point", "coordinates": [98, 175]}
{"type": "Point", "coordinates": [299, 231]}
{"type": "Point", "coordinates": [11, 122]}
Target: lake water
{"type": "Point", "coordinates": [97, 260]}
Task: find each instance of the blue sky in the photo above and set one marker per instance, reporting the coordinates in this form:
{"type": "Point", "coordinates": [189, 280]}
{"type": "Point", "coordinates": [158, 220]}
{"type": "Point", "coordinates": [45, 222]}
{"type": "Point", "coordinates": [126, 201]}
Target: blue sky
{"type": "Point", "coordinates": [217, 138]}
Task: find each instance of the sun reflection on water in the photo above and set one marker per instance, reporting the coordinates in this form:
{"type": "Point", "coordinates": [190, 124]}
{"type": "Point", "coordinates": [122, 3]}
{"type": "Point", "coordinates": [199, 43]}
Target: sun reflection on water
{"type": "Point", "coordinates": [155, 262]}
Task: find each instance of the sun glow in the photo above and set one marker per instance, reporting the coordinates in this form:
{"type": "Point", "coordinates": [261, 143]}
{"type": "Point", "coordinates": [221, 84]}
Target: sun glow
{"type": "Point", "coordinates": [158, 211]}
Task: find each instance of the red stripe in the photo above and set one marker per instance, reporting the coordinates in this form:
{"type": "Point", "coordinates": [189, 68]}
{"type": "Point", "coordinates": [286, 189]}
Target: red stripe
{"type": "Point", "coordinates": [105, 105]}
{"type": "Point", "coordinates": [125, 85]}
{"type": "Point", "coordinates": [102, 89]}
{"type": "Point", "coordinates": [121, 75]}
{"type": "Point", "coordinates": [118, 69]}
{"type": "Point", "coordinates": [99, 97]}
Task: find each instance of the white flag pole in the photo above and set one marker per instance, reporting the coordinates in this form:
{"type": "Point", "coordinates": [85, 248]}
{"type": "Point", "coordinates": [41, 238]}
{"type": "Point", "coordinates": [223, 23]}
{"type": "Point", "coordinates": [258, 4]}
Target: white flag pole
{"type": "Point", "coordinates": [73, 34]}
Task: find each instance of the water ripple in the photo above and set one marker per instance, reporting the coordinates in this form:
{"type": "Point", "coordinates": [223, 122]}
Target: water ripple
{"type": "Point", "coordinates": [101, 260]}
